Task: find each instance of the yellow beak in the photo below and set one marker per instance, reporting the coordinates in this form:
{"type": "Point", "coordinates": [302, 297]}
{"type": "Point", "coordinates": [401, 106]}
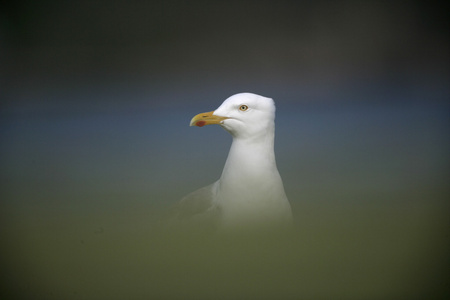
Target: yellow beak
{"type": "Point", "coordinates": [206, 118]}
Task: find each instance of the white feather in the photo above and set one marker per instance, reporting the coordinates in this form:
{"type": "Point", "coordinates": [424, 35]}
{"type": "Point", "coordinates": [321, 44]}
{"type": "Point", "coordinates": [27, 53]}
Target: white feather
{"type": "Point", "coordinates": [250, 191]}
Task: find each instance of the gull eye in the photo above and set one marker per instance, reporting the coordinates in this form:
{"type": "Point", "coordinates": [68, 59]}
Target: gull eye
{"type": "Point", "coordinates": [243, 107]}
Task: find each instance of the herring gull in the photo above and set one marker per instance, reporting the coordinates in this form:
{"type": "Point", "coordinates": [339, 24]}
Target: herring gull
{"type": "Point", "coordinates": [250, 191]}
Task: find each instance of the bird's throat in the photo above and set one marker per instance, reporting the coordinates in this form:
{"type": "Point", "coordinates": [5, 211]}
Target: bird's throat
{"type": "Point", "coordinates": [249, 160]}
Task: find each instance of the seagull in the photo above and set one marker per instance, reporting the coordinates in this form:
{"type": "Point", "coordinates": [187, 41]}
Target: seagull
{"type": "Point", "coordinates": [250, 192]}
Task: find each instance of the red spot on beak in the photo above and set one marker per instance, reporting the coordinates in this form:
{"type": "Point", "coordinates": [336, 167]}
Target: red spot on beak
{"type": "Point", "coordinates": [200, 123]}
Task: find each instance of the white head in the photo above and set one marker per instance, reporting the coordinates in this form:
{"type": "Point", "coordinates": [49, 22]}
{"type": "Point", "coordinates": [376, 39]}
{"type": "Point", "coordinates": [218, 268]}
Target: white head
{"type": "Point", "coordinates": [243, 115]}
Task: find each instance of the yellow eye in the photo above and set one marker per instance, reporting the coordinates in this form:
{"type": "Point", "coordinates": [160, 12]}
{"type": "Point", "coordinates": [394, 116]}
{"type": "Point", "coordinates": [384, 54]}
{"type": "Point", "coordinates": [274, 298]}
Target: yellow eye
{"type": "Point", "coordinates": [243, 107]}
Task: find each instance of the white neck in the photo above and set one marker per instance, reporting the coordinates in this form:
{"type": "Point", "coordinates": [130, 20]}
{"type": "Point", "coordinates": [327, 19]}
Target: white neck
{"type": "Point", "coordinates": [249, 158]}
{"type": "Point", "coordinates": [250, 188]}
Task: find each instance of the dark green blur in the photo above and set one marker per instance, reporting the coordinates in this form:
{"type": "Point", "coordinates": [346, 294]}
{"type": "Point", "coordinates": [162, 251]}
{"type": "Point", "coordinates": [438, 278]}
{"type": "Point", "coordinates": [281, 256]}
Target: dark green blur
{"type": "Point", "coordinates": [352, 252]}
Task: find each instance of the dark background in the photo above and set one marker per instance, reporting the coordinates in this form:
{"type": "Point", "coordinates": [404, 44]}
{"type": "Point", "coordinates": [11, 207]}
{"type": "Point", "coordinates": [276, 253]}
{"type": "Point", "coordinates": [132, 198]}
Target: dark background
{"type": "Point", "coordinates": [96, 98]}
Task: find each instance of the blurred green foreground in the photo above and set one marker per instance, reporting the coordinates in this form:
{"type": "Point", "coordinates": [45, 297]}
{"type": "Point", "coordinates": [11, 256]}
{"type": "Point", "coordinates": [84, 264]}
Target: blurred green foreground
{"type": "Point", "coordinates": [341, 252]}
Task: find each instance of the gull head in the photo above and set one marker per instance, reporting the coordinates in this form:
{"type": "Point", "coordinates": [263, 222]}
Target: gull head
{"type": "Point", "coordinates": [243, 115]}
